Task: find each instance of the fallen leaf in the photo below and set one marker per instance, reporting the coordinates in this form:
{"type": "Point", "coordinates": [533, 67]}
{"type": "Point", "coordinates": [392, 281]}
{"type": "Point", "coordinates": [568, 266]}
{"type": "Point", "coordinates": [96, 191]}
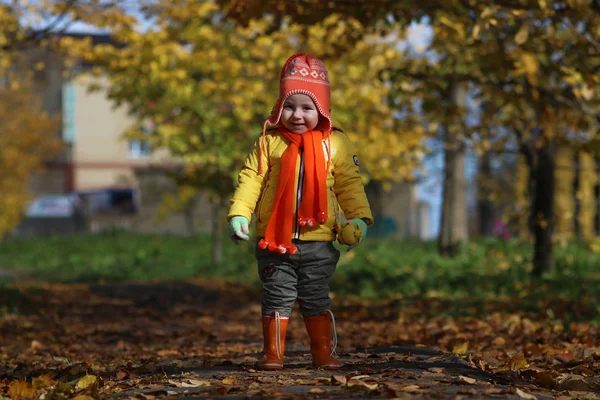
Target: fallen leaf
{"type": "Point", "coordinates": [466, 380]}
{"type": "Point", "coordinates": [21, 390]}
{"type": "Point", "coordinates": [525, 395]}
{"type": "Point", "coordinates": [573, 382]}
{"type": "Point", "coordinates": [410, 388]}
{"type": "Point", "coordinates": [167, 353]}
{"type": "Point", "coordinates": [220, 391]}
{"type": "Point", "coordinates": [36, 345]}
{"type": "Point", "coordinates": [230, 380]}
{"type": "Point", "coordinates": [461, 349]}
{"type": "Point", "coordinates": [339, 380]}
{"type": "Point", "coordinates": [175, 383]}
{"type": "Point", "coordinates": [539, 377]}
{"type": "Point", "coordinates": [436, 370]}
{"type": "Point", "coordinates": [83, 397]}
{"type": "Point", "coordinates": [122, 374]}
{"type": "Point", "coordinates": [316, 390]}
{"type": "Point", "coordinates": [358, 384]}
{"type": "Point", "coordinates": [195, 383]}
{"type": "Point", "coordinates": [514, 363]}
{"type": "Point", "coordinates": [86, 381]}
{"type": "Point", "coordinates": [254, 385]}
{"type": "Point", "coordinates": [42, 382]}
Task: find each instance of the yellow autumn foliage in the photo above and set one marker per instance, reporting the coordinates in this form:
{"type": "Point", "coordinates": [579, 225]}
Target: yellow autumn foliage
{"type": "Point", "coordinates": [208, 84]}
{"type": "Point", "coordinates": [28, 137]}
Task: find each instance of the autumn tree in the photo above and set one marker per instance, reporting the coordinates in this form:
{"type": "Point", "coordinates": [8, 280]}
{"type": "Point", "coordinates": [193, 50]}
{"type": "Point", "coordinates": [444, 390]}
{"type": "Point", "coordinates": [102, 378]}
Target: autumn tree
{"type": "Point", "coordinates": [208, 84]}
{"type": "Point", "coordinates": [533, 68]}
{"type": "Point", "coordinates": [537, 71]}
{"type": "Point", "coordinates": [27, 140]}
{"type": "Point", "coordinates": [533, 62]}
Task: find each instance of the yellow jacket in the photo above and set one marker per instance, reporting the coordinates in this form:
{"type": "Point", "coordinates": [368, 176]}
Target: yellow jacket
{"type": "Point", "coordinates": [255, 193]}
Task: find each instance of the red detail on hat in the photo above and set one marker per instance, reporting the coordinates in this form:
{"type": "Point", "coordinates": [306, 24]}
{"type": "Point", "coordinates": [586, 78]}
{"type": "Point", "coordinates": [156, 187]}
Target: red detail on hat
{"type": "Point", "coordinates": [262, 244]}
{"type": "Point", "coordinates": [305, 74]}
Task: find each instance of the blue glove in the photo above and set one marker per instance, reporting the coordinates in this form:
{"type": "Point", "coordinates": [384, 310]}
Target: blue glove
{"type": "Point", "coordinates": [238, 229]}
{"type": "Point", "coordinates": [352, 233]}
{"type": "Point", "coordinates": [361, 224]}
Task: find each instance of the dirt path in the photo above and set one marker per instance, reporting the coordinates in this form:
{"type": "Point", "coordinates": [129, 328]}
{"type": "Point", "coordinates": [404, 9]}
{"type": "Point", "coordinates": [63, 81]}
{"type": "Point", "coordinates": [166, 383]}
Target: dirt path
{"type": "Point", "coordinates": [201, 339]}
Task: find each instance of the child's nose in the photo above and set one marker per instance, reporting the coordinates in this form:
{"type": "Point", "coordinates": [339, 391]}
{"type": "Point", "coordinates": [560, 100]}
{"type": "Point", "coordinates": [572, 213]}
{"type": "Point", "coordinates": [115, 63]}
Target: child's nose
{"type": "Point", "coordinates": [297, 113]}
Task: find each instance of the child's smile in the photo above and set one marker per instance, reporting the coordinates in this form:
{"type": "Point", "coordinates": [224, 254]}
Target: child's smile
{"type": "Point", "coordinates": [299, 114]}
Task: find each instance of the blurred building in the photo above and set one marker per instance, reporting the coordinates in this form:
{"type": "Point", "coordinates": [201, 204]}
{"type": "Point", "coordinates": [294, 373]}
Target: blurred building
{"type": "Point", "coordinates": [121, 182]}
{"type": "Point", "coordinates": [398, 212]}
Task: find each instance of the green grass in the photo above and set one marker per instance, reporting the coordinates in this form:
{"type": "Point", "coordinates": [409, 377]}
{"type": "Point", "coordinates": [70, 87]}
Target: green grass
{"type": "Point", "coordinates": [121, 256]}
{"type": "Point", "coordinates": [485, 271]}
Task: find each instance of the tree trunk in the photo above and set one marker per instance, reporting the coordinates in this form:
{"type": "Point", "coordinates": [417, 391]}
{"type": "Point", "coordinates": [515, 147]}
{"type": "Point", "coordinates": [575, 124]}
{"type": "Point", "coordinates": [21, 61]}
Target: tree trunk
{"type": "Point", "coordinates": [453, 228]}
{"type": "Point", "coordinates": [576, 191]}
{"type": "Point", "coordinates": [484, 205]}
{"type": "Point", "coordinates": [217, 233]}
{"type": "Point", "coordinates": [543, 210]}
{"type": "Point", "coordinates": [530, 154]}
{"type": "Point", "coordinates": [188, 213]}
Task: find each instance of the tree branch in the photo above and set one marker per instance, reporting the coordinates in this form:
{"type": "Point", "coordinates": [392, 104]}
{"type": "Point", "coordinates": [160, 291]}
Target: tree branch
{"type": "Point", "coordinates": [37, 35]}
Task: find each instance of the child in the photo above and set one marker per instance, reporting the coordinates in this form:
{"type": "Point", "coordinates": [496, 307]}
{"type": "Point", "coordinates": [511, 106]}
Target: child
{"type": "Point", "coordinates": [300, 172]}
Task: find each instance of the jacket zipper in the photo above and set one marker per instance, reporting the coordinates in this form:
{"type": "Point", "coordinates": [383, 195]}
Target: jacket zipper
{"type": "Point", "coordinates": [299, 193]}
{"type": "Point", "coordinates": [334, 204]}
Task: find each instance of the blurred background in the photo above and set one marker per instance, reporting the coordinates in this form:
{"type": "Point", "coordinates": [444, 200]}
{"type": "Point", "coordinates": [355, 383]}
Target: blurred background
{"type": "Point", "coordinates": [123, 126]}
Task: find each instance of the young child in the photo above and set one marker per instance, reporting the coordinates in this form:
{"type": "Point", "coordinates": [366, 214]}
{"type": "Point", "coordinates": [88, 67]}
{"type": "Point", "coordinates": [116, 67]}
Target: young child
{"type": "Point", "coordinates": [300, 172]}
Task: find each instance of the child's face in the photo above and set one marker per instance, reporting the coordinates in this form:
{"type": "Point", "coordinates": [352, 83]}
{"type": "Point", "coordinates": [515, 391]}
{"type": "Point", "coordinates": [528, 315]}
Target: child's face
{"type": "Point", "coordinates": [299, 114]}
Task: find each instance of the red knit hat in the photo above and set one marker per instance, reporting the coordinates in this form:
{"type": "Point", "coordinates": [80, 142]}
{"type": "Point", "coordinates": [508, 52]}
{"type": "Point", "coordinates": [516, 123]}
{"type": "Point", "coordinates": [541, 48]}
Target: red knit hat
{"type": "Point", "coordinates": [301, 74]}
{"type": "Point", "coordinates": [305, 74]}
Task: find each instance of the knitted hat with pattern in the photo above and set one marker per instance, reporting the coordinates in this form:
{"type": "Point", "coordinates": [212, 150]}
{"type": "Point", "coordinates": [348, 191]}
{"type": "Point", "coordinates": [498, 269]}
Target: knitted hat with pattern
{"type": "Point", "coordinates": [305, 74]}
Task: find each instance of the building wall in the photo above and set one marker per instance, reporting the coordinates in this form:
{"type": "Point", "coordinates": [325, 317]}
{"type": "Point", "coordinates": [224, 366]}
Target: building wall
{"type": "Point", "coordinates": [101, 156]}
{"type": "Point", "coordinates": [398, 213]}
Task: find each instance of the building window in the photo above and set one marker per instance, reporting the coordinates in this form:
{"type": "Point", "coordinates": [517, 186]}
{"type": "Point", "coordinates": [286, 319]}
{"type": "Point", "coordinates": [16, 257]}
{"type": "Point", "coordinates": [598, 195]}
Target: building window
{"type": "Point", "coordinates": [140, 148]}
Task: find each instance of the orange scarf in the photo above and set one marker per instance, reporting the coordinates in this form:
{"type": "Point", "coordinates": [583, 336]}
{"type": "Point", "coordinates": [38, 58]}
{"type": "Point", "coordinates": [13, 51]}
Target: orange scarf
{"type": "Point", "coordinates": [313, 207]}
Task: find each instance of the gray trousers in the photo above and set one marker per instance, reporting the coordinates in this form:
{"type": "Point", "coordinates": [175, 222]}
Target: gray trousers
{"type": "Point", "coordinates": [303, 276]}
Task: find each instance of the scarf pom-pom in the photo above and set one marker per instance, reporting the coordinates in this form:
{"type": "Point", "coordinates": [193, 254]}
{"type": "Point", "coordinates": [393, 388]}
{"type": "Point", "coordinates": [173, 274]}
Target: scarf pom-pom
{"type": "Point", "coordinates": [272, 247]}
{"type": "Point", "coordinates": [322, 217]}
{"type": "Point", "coordinates": [293, 250]}
{"type": "Point", "coordinates": [302, 221]}
{"type": "Point", "coordinates": [262, 244]}
{"type": "Point", "coordinates": [281, 249]}
{"type": "Point", "coordinates": [311, 222]}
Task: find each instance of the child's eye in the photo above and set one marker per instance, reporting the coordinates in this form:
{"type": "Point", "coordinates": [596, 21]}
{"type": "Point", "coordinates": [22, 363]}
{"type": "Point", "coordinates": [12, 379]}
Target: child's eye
{"type": "Point", "coordinates": [308, 108]}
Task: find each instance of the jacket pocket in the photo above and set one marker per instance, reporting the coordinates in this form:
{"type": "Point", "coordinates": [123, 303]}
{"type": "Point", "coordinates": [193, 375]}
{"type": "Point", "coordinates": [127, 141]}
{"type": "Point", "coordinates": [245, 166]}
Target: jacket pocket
{"type": "Point", "coordinates": [261, 201]}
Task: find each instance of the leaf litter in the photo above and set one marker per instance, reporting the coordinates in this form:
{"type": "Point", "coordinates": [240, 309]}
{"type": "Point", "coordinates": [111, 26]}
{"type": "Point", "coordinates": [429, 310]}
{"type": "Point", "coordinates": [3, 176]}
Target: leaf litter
{"type": "Point", "coordinates": [83, 345]}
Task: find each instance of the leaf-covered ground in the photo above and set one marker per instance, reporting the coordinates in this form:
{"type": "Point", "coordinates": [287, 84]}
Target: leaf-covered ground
{"type": "Point", "coordinates": [200, 339]}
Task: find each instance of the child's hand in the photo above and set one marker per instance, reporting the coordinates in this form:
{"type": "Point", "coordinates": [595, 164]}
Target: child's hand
{"type": "Point", "coordinates": [353, 233]}
{"type": "Point", "coordinates": [238, 229]}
